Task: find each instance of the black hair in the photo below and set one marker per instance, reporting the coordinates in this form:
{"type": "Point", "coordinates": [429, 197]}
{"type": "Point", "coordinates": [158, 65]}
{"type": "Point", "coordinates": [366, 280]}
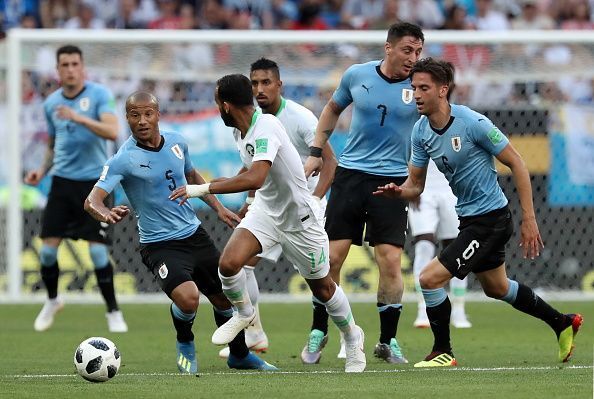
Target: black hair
{"type": "Point", "coordinates": [401, 29]}
{"type": "Point", "coordinates": [442, 72]}
{"type": "Point", "coordinates": [235, 89]}
{"type": "Point", "coordinates": [267, 65]}
{"type": "Point", "coordinates": [68, 49]}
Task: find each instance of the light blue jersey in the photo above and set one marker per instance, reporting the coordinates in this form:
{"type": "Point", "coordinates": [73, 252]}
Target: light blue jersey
{"type": "Point", "coordinates": [384, 114]}
{"type": "Point", "coordinates": [148, 175]}
{"type": "Point", "coordinates": [463, 151]}
{"type": "Point", "coordinates": [79, 153]}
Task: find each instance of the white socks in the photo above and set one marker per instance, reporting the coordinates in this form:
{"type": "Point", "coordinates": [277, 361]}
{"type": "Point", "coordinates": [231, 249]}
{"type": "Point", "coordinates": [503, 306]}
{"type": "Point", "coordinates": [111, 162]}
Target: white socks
{"type": "Point", "coordinates": [339, 309]}
{"type": "Point", "coordinates": [253, 292]}
{"type": "Point", "coordinates": [234, 288]}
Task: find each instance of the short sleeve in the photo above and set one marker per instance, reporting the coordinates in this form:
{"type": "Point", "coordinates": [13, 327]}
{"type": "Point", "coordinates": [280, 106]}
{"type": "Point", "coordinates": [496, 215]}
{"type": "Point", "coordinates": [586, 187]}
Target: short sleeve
{"type": "Point", "coordinates": [188, 165]}
{"type": "Point", "coordinates": [47, 111]}
{"type": "Point", "coordinates": [106, 102]}
{"type": "Point", "coordinates": [111, 175]}
{"type": "Point", "coordinates": [266, 141]}
{"type": "Point", "coordinates": [488, 136]}
{"type": "Point", "coordinates": [342, 95]}
{"type": "Point", "coordinates": [419, 156]}
{"type": "Point", "coordinates": [308, 126]}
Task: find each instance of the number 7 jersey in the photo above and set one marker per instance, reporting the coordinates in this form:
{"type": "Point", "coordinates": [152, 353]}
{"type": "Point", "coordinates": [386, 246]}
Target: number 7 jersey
{"type": "Point", "coordinates": [148, 175]}
{"type": "Point", "coordinates": [384, 113]}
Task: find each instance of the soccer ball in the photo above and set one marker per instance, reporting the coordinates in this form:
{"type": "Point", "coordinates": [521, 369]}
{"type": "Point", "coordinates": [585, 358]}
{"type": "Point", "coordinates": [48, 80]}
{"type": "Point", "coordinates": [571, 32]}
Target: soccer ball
{"type": "Point", "coordinates": [97, 359]}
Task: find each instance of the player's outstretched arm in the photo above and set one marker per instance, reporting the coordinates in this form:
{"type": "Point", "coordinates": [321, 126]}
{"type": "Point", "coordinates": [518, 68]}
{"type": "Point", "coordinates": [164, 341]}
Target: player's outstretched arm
{"type": "Point", "coordinates": [410, 190]}
{"type": "Point", "coordinates": [531, 241]}
{"type": "Point", "coordinates": [95, 206]}
{"type": "Point", "coordinates": [326, 124]}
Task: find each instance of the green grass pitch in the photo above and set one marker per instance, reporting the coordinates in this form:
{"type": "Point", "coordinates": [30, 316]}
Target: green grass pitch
{"type": "Point", "coordinates": [504, 355]}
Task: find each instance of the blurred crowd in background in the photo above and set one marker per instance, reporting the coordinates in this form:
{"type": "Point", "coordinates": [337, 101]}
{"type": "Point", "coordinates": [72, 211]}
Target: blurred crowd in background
{"type": "Point", "coordinates": [296, 14]}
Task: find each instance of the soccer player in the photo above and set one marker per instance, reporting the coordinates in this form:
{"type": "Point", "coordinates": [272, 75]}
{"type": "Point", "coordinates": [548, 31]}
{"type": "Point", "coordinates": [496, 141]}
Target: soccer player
{"type": "Point", "coordinates": [433, 217]}
{"type": "Point", "coordinates": [462, 143]}
{"type": "Point", "coordinates": [300, 125]}
{"type": "Point", "coordinates": [376, 153]}
{"type": "Point", "coordinates": [283, 213]}
{"type": "Point", "coordinates": [80, 118]}
{"type": "Point", "coordinates": [174, 246]}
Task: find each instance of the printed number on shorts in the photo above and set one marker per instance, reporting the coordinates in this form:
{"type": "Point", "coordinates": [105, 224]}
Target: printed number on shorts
{"type": "Point", "coordinates": [468, 252]}
{"type": "Point", "coordinates": [312, 261]}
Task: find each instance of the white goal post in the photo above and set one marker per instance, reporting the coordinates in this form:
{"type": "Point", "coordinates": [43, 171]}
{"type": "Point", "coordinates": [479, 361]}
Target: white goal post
{"type": "Point", "coordinates": [568, 55]}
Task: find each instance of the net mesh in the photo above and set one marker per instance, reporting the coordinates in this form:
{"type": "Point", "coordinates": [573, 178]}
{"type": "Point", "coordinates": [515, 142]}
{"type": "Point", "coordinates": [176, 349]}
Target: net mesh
{"type": "Point", "coordinates": [545, 113]}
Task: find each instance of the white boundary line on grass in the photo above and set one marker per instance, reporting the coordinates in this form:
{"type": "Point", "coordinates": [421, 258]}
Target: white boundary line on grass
{"type": "Point", "coordinates": [478, 369]}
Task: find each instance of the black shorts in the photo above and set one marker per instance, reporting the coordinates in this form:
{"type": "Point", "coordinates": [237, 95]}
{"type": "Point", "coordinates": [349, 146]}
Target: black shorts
{"type": "Point", "coordinates": [194, 258]}
{"type": "Point", "coordinates": [353, 209]}
{"type": "Point", "coordinates": [480, 245]}
{"type": "Point", "coordinates": [65, 216]}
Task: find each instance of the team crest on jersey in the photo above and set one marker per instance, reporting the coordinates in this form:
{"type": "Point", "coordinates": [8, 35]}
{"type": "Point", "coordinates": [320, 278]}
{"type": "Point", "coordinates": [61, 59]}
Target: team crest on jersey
{"type": "Point", "coordinates": [407, 96]}
{"type": "Point", "coordinates": [456, 143]}
{"type": "Point", "coordinates": [84, 103]}
{"type": "Point", "coordinates": [177, 151]}
{"type": "Point", "coordinates": [250, 149]}
{"type": "Point", "coordinates": [163, 271]}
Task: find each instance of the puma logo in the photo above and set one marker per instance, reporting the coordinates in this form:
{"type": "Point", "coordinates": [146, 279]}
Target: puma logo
{"type": "Point", "coordinates": [148, 165]}
{"type": "Point", "coordinates": [366, 88]}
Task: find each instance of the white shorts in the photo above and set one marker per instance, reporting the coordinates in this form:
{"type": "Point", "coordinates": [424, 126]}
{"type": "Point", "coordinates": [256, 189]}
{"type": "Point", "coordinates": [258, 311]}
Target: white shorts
{"type": "Point", "coordinates": [274, 253]}
{"type": "Point", "coordinates": [436, 215]}
{"type": "Point", "coordinates": [307, 249]}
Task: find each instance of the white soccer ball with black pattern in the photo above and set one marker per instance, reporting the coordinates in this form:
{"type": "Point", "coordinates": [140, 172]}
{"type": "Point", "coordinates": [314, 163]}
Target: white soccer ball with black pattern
{"type": "Point", "coordinates": [97, 359]}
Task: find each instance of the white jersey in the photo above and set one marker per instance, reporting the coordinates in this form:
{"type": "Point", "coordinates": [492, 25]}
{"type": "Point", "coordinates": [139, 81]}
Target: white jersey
{"type": "Point", "coordinates": [284, 196]}
{"type": "Point", "coordinates": [300, 124]}
{"type": "Point", "coordinates": [436, 181]}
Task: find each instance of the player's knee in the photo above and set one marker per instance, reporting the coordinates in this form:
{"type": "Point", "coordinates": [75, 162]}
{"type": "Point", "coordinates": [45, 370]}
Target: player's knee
{"type": "Point", "coordinates": [188, 302]}
{"type": "Point", "coordinates": [428, 281]}
{"type": "Point", "coordinates": [322, 289]}
{"type": "Point", "coordinates": [48, 255]}
{"type": "Point", "coordinates": [228, 266]}
{"type": "Point", "coordinates": [496, 292]}
{"type": "Point", "coordinates": [99, 255]}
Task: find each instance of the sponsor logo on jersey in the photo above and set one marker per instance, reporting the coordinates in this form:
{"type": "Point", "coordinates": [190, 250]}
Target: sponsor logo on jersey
{"type": "Point", "coordinates": [104, 173]}
{"type": "Point", "coordinates": [366, 88]}
{"type": "Point", "coordinates": [250, 149]}
{"type": "Point", "coordinates": [407, 96]}
{"type": "Point", "coordinates": [456, 143]}
{"type": "Point", "coordinates": [84, 103]}
{"type": "Point", "coordinates": [163, 271]}
{"type": "Point", "coordinates": [261, 146]}
{"type": "Point", "coordinates": [177, 151]}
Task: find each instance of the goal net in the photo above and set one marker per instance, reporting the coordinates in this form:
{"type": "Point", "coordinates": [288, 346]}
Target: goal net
{"type": "Point", "coordinates": [538, 87]}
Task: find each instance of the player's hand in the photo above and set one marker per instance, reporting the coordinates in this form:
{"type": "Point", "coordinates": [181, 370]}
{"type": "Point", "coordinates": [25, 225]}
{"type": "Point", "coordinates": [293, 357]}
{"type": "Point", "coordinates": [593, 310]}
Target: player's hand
{"type": "Point", "coordinates": [228, 217]}
{"type": "Point", "coordinates": [390, 190]}
{"type": "Point", "coordinates": [312, 166]}
{"type": "Point", "coordinates": [34, 177]}
{"type": "Point", "coordinates": [116, 214]}
{"type": "Point", "coordinates": [67, 113]}
{"type": "Point", "coordinates": [531, 242]}
{"type": "Point", "coordinates": [189, 191]}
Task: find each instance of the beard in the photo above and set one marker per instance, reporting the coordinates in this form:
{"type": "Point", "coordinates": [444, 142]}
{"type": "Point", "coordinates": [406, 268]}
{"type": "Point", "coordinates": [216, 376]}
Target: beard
{"type": "Point", "coordinates": [228, 119]}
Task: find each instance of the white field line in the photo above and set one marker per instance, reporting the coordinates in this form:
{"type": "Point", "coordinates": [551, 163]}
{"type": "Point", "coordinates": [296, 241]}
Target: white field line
{"type": "Point", "coordinates": [225, 373]}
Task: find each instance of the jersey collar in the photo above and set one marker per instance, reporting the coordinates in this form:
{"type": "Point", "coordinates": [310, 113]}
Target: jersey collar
{"type": "Point", "coordinates": [386, 78]}
{"type": "Point", "coordinates": [153, 149]}
{"type": "Point", "coordinates": [255, 117]}
{"type": "Point", "coordinates": [446, 127]}
{"type": "Point", "coordinates": [283, 104]}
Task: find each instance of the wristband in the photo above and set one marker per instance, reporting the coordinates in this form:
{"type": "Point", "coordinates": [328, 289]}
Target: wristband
{"type": "Point", "coordinates": [249, 200]}
{"type": "Point", "coordinates": [315, 152]}
{"type": "Point", "coordinates": [197, 190]}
